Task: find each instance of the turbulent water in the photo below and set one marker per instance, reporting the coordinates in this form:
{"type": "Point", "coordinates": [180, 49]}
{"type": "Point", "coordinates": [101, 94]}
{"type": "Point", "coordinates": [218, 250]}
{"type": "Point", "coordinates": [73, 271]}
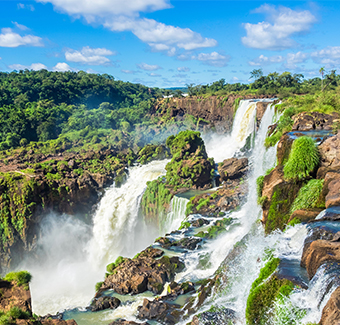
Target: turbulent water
{"type": "Point", "coordinates": [65, 274]}
{"type": "Point", "coordinates": [72, 255]}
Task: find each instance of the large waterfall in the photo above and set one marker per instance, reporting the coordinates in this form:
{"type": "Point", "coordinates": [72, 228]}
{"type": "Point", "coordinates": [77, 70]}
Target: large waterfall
{"type": "Point", "coordinates": [118, 229]}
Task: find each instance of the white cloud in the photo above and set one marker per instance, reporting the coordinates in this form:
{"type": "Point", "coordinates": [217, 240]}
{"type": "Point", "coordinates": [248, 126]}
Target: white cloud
{"type": "Point", "coordinates": [103, 8]}
{"type": "Point", "coordinates": [33, 66]}
{"type": "Point", "coordinates": [183, 69]}
{"type": "Point", "coordinates": [235, 79]}
{"type": "Point", "coordinates": [276, 34]}
{"type": "Point", "coordinates": [62, 67]}
{"type": "Point", "coordinates": [22, 27]}
{"type": "Point", "coordinates": [22, 6]}
{"type": "Point", "coordinates": [329, 56]}
{"type": "Point", "coordinates": [122, 15]}
{"type": "Point", "coordinates": [88, 55]}
{"type": "Point", "coordinates": [152, 74]}
{"type": "Point", "coordinates": [264, 60]}
{"type": "Point", "coordinates": [294, 58]}
{"type": "Point", "coordinates": [213, 58]}
{"type": "Point", "coordinates": [148, 67]}
{"type": "Point", "coordinates": [290, 61]}
{"type": "Point", "coordinates": [129, 71]}
{"type": "Point", "coordinates": [8, 38]}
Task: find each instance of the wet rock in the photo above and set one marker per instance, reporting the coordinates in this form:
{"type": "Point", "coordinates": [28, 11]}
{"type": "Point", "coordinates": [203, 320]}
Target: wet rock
{"type": "Point", "coordinates": [199, 222]}
{"type": "Point", "coordinates": [330, 151]}
{"type": "Point", "coordinates": [283, 149]}
{"type": "Point", "coordinates": [331, 312]}
{"type": "Point", "coordinates": [102, 303]}
{"type": "Point", "coordinates": [305, 215]}
{"type": "Point", "coordinates": [313, 121]}
{"type": "Point", "coordinates": [56, 322]}
{"type": "Point", "coordinates": [189, 243]}
{"type": "Point", "coordinates": [160, 311]}
{"type": "Point", "coordinates": [143, 273]}
{"type": "Point", "coordinates": [331, 189]}
{"type": "Point", "coordinates": [317, 253]}
{"type": "Point", "coordinates": [219, 317]}
{"type": "Point", "coordinates": [233, 168]}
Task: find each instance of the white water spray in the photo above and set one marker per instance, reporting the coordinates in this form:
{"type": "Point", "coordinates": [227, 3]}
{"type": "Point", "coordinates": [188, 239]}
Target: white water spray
{"type": "Point", "coordinates": [117, 230]}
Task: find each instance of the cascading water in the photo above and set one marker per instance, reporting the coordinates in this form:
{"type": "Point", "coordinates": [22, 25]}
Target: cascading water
{"type": "Point", "coordinates": [221, 147]}
{"type": "Point", "coordinates": [175, 216]}
{"type": "Point", "coordinates": [117, 230]}
{"type": "Point", "coordinates": [68, 246]}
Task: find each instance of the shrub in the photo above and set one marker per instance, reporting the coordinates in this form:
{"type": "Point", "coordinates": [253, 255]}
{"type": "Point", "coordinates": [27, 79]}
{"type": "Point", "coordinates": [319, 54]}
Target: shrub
{"type": "Point", "coordinates": [303, 159]}
{"type": "Point", "coordinates": [259, 186]}
{"type": "Point", "coordinates": [21, 277]}
{"type": "Point", "coordinates": [309, 196]}
{"type": "Point", "coordinates": [98, 286]}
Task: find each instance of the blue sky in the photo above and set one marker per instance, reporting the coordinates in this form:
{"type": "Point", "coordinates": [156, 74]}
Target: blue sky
{"type": "Point", "coordinates": [167, 43]}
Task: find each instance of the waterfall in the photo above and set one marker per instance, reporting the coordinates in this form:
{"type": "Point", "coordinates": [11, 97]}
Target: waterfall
{"type": "Point", "coordinates": [221, 147]}
{"type": "Point", "coordinates": [175, 216]}
{"type": "Point", "coordinates": [117, 230]}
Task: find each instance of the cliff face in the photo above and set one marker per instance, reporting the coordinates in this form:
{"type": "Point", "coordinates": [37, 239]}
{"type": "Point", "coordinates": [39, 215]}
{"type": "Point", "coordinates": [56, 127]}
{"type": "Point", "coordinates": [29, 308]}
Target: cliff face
{"type": "Point", "coordinates": [214, 112]}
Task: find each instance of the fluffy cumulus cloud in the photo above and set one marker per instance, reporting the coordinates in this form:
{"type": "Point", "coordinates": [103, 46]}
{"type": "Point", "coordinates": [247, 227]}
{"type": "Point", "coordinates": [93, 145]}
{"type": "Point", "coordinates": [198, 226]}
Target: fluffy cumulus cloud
{"type": "Point", "coordinates": [8, 38]}
{"type": "Point", "coordinates": [290, 61]}
{"type": "Point", "coordinates": [90, 56]}
{"type": "Point", "coordinates": [33, 66]}
{"type": "Point", "coordinates": [213, 58]}
{"type": "Point", "coordinates": [329, 56]}
{"type": "Point", "coordinates": [148, 67]}
{"type": "Point", "coordinates": [276, 33]}
{"type": "Point", "coordinates": [62, 67]}
{"type": "Point", "coordinates": [264, 60]}
{"type": "Point", "coordinates": [122, 15]}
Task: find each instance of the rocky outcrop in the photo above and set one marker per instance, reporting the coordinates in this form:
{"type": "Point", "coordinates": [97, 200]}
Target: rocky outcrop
{"type": "Point", "coordinates": [331, 312]}
{"type": "Point", "coordinates": [13, 295]}
{"type": "Point", "coordinates": [278, 195]}
{"type": "Point", "coordinates": [143, 273]}
{"type": "Point", "coordinates": [233, 168]}
{"type": "Point", "coordinates": [283, 149]}
{"type": "Point", "coordinates": [305, 215]}
{"type": "Point", "coordinates": [329, 152]}
{"type": "Point", "coordinates": [105, 302]}
{"type": "Point", "coordinates": [319, 252]}
{"type": "Point", "coordinates": [313, 121]}
{"type": "Point", "coordinates": [218, 316]}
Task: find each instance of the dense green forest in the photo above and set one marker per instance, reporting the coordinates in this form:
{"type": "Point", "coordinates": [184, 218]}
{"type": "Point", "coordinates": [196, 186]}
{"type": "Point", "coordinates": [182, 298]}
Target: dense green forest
{"type": "Point", "coordinates": [68, 109]}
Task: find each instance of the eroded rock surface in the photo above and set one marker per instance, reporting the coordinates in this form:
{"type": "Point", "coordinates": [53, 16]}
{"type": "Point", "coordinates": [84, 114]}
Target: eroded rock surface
{"type": "Point", "coordinates": [233, 168]}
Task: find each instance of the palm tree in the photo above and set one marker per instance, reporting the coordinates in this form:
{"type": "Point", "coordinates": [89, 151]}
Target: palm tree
{"type": "Point", "coordinates": [322, 71]}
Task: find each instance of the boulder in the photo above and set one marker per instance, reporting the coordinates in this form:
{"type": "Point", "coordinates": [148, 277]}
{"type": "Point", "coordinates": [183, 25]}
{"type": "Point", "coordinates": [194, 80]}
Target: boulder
{"type": "Point", "coordinates": [160, 311]}
{"type": "Point", "coordinates": [331, 189]}
{"type": "Point", "coordinates": [143, 273]}
{"type": "Point", "coordinates": [317, 253]}
{"type": "Point", "coordinates": [219, 317]}
{"type": "Point", "coordinates": [305, 215]}
{"type": "Point", "coordinates": [330, 151]}
{"type": "Point", "coordinates": [331, 312]}
{"type": "Point", "coordinates": [102, 303]}
{"type": "Point", "coordinates": [233, 168]}
{"type": "Point", "coordinates": [125, 322]}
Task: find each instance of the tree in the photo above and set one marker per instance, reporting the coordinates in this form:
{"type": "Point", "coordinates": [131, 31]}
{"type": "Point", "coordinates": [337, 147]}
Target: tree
{"type": "Point", "coordinates": [322, 71]}
{"type": "Point", "coordinates": [256, 74]}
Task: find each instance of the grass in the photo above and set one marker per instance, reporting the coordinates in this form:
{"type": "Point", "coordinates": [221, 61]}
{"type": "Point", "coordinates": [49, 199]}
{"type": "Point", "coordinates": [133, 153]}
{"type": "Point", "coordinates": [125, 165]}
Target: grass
{"type": "Point", "coordinates": [303, 159]}
{"type": "Point", "coordinates": [309, 196]}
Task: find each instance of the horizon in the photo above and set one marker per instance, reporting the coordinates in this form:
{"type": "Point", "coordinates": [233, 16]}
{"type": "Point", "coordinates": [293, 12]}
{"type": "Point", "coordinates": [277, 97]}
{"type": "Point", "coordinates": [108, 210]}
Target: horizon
{"type": "Point", "coordinates": [170, 44]}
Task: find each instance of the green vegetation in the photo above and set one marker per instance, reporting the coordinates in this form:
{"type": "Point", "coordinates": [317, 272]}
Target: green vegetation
{"type": "Point", "coordinates": [265, 290]}
{"type": "Point", "coordinates": [259, 187]}
{"type": "Point", "coordinates": [20, 278]}
{"type": "Point", "coordinates": [279, 209]}
{"type": "Point", "coordinates": [215, 230]}
{"type": "Point", "coordinates": [156, 199]}
{"type": "Point", "coordinates": [303, 159]}
{"type": "Point", "coordinates": [309, 196]}
{"type": "Point", "coordinates": [12, 315]}
{"type": "Point", "coordinates": [111, 267]}
{"type": "Point", "coordinates": [294, 222]}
